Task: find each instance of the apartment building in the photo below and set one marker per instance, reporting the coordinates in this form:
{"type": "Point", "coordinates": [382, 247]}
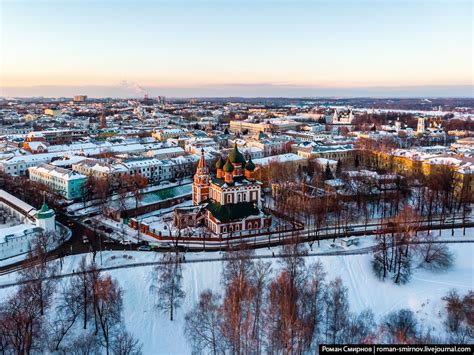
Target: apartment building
{"type": "Point", "coordinates": [67, 183]}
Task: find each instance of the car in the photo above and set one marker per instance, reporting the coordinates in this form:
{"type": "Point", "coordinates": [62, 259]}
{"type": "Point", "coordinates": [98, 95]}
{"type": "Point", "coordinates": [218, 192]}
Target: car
{"type": "Point", "coordinates": [144, 248]}
{"type": "Point", "coordinates": [125, 242]}
{"type": "Point", "coordinates": [85, 240]}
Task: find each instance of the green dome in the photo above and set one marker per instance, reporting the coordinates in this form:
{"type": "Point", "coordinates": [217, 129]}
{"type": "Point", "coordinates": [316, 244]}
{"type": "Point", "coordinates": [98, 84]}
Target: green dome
{"type": "Point", "coordinates": [220, 163]}
{"type": "Point", "coordinates": [228, 167]}
{"type": "Point", "coordinates": [250, 166]}
{"type": "Point", "coordinates": [44, 212]}
{"type": "Point", "coordinates": [236, 157]}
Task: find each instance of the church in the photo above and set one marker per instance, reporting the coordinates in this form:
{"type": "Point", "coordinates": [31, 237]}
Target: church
{"type": "Point", "coordinates": [228, 204]}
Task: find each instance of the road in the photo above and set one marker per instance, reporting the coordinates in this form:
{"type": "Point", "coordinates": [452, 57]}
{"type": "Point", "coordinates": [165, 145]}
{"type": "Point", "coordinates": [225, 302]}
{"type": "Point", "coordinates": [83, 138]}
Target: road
{"type": "Point", "coordinates": [74, 245]}
{"type": "Point", "coordinates": [337, 252]}
{"type": "Point", "coordinates": [99, 240]}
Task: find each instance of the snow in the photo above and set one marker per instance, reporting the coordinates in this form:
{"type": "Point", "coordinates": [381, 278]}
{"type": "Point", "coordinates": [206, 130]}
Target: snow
{"type": "Point", "coordinates": [282, 158]}
{"type": "Point", "coordinates": [159, 335]}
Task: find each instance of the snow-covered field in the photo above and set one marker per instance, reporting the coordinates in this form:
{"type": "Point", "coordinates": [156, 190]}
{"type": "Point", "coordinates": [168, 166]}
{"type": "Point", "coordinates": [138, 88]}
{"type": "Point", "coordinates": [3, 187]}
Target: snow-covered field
{"type": "Point", "coordinates": [161, 336]}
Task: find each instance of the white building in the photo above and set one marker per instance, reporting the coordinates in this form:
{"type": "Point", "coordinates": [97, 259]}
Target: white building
{"type": "Point", "coordinates": [67, 183]}
{"type": "Point", "coordinates": [164, 134]}
{"type": "Point", "coordinates": [165, 153]}
{"type": "Point", "coordinates": [20, 223]}
{"type": "Point", "coordinates": [18, 165]}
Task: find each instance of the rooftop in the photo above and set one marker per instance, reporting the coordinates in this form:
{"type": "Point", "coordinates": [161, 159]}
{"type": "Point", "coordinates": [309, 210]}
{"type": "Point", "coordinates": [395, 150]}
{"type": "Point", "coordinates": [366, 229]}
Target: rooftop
{"type": "Point", "coordinates": [231, 212]}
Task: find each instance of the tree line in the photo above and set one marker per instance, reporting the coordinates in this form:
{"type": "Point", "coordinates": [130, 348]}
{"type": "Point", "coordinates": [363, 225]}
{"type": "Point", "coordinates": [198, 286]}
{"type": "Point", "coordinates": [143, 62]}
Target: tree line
{"type": "Point", "coordinates": [295, 308]}
{"type": "Point", "coordinates": [82, 314]}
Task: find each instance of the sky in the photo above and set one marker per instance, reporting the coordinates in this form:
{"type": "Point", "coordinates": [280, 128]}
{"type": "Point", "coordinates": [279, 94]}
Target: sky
{"type": "Point", "coordinates": [236, 48]}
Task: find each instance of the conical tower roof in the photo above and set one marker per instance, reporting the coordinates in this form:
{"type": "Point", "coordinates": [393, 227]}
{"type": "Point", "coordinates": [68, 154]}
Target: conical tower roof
{"type": "Point", "coordinates": [202, 161]}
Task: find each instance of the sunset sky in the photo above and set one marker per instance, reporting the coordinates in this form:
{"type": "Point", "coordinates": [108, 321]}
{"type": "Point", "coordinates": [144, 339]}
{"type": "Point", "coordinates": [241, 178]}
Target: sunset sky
{"type": "Point", "coordinates": [247, 48]}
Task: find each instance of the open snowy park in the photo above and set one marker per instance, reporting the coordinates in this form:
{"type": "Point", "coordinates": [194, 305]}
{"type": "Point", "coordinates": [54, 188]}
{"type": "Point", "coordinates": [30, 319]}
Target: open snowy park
{"type": "Point", "coordinates": [201, 271]}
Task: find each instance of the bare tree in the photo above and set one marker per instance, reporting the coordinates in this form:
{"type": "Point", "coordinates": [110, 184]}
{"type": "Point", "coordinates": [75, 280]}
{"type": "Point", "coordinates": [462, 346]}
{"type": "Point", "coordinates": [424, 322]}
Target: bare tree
{"type": "Point", "coordinates": [259, 281]}
{"type": "Point", "coordinates": [236, 310]}
{"type": "Point", "coordinates": [124, 343]}
{"type": "Point", "coordinates": [168, 287]}
{"type": "Point", "coordinates": [84, 281]}
{"type": "Point", "coordinates": [336, 311]}
{"type": "Point", "coordinates": [313, 303]}
{"type": "Point", "coordinates": [459, 321]}
{"type": "Point", "coordinates": [434, 255]}
{"type": "Point", "coordinates": [108, 308]}
{"type": "Point", "coordinates": [21, 323]}
{"type": "Point", "coordinates": [68, 311]}
{"type": "Point", "coordinates": [87, 344]}
{"type": "Point", "coordinates": [38, 277]}
{"type": "Point", "coordinates": [361, 328]}
{"type": "Point", "coordinates": [401, 327]}
{"type": "Point", "coordinates": [202, 324]}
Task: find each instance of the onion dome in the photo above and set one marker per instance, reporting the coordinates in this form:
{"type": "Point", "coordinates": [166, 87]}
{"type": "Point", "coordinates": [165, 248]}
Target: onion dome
{"type": "Point", "coordinates": [220, 163]}
{"type": "Point", "coordinates": [236, 157]}
{"type": "Point", "coordinates": [250, 166]}
{"type": "Point", "coordinates": [228, 167]}
{"type": "Point", "coordinates": [45, 212]}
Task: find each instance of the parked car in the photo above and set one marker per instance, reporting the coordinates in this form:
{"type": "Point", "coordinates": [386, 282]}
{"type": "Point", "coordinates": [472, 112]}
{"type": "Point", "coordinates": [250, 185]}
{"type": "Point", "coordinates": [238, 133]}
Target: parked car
{"type": "Point", "coordinates": [85, 240]}
{"type": "Point", "coordinates": [144, 248]}
{"type": "Point", "coordinates": [125, 242]}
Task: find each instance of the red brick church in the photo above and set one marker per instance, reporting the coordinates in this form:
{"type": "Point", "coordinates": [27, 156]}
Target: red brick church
{"type": "Point", "coordinates": [228, 204]}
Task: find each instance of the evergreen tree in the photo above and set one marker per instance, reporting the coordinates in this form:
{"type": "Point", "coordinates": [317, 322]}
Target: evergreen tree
{"type": "Point", "coordinates": [328, 173]}
{"type": "Point", "coordinates": [338, 168]}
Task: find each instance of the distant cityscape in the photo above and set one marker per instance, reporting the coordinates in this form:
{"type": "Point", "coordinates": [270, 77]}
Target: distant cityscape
{"type": "Point", "coordinates": [236, 177]}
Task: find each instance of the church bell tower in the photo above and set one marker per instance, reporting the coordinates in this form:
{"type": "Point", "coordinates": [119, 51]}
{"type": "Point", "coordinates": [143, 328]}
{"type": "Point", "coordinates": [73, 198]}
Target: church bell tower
{"type": "Point", "coordinates": [201, 181]}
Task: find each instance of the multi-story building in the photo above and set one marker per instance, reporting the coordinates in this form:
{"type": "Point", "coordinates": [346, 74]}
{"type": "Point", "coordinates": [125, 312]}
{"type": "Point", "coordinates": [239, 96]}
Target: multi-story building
{"type": "Point", "coordinates": [60, 136]}
{"type": "Point", "coordinates": [113, 170]}
{"type": "Point", "coordinates": [265, 125]}
{"type": "Point", "coordinates": [343, 117]}
{"type": "Point", "coordinates": [80, 98]}
{"type": "Point", "coordinates": [165, 153]}
{"type": "Point", "coordinates": [164, 134]}
{"type": "Point", "coordinates": [19, 164]}
{"type": "Point", "coordinates": [333, 152]}
{"type": "Point", "coordinates": [67, 183]}
{"type": "Point", "coordinates": [194, 145]}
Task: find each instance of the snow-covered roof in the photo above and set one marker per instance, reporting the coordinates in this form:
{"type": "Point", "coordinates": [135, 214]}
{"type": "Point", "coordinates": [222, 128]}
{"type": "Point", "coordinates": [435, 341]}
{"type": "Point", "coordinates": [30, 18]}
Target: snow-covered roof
{"type": "Point", "coordinates": [282, 158]}
{"type": "Point", "coordinates": [55, 171]}
{"type": "Point", "coordinates": [19, 204]}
